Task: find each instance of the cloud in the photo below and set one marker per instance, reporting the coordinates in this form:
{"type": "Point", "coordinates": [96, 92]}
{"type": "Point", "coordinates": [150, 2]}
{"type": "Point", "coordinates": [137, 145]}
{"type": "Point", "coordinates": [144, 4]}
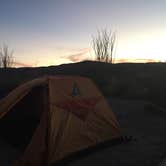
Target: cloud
{"type": "Point", "coordinates": [78, 55]}
{"type": "Point", "coordinates": [135, 60]}
{"type": "Point", "coordinates": [20, 64]}
{"type": "Point", "coordinates": [66, 49]}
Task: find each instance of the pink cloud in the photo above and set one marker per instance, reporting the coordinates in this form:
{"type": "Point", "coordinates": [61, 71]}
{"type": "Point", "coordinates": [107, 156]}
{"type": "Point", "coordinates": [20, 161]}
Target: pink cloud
{"type": "Point", "coordinates": [79, 55]}
{"type": "Point", "coordinates": [20, 64]}
{"type": "Point", "coordinates": [135, 60]}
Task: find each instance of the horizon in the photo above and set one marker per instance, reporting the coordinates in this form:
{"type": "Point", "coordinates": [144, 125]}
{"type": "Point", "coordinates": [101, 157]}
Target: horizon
{"type": "Point", "coordinates": [45, 33]}
{"type": "Point", "coordinates": [118, 61]}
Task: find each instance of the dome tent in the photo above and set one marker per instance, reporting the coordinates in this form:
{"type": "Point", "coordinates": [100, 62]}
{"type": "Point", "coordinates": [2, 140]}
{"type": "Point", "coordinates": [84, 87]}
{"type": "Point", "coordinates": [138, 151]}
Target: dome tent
{"type": "Point", "coordinates": [55, 116]}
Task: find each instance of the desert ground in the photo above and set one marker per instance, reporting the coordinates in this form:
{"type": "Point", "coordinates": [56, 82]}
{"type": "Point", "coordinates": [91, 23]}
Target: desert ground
{"type": "Point", "coordinates": [136, 93]}
{"type": "Point", "coordinates": [147, 127]}
{"type": "Point", "coordinates": [148, 147]}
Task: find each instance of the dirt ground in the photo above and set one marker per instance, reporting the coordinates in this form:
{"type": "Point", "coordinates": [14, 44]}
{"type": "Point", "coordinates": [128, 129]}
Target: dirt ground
{"type": "Point", "coordinates": [147, 127]}
{"type": "Point", "coordinates": [7, 154]}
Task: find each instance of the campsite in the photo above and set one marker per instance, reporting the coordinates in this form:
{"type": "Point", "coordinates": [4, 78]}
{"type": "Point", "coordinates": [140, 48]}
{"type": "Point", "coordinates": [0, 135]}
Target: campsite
{"type": "Point", "coordinates": [82, 83]}
{"type": "Point", "coordinates": [134, 92]}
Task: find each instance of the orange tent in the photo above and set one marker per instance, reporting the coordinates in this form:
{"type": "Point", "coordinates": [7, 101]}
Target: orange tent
{"type": "Point", "coordinates": [52, 117]}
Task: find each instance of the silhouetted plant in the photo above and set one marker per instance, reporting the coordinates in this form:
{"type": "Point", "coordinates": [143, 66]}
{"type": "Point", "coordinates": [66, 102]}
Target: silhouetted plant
{"type": "Point", "coordinates": [103, 45]}
{"type": "Point", "coordinates": [6, 57]}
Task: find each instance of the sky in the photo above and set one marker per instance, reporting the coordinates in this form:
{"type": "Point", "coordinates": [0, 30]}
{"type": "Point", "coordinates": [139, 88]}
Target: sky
{"type": "Point", "coordinates": [52, 32]}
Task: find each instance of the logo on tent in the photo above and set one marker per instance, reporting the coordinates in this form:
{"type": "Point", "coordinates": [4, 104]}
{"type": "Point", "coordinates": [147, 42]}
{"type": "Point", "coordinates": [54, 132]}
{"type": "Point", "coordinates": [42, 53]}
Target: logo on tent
{"type": "Point", "coordinates": [75, 91]}
{"type": "Point", "coordinates": [80, 107]}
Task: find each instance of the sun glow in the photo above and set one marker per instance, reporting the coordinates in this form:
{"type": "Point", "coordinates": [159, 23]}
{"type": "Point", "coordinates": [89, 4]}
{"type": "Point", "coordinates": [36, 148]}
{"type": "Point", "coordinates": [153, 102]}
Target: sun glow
{"type": "Point", "coordinates": [142, 48]}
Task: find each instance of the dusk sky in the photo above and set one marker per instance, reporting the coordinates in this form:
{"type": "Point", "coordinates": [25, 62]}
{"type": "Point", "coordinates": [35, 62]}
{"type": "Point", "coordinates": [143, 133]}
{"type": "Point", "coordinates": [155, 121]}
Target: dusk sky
{"type": "Point", "coordinates": [51, 32]}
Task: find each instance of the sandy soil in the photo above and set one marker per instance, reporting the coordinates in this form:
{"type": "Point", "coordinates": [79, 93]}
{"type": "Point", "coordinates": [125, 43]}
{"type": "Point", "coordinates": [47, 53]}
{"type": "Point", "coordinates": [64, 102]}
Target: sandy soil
{"type": "Point", "coordinates": [147, 127]}
{"type": "Point", "coordinates": [7, 153]}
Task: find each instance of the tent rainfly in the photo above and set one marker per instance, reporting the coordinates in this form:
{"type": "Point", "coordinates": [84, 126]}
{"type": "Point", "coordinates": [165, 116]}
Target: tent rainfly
{"type": "Point", "coordinates": [52, 117]}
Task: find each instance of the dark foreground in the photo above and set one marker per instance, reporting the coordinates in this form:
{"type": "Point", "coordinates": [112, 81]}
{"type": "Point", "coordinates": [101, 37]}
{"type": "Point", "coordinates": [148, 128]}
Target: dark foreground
{"type": "Point", "coordinates": [147, 127]}
{"type": "Point", "coordinates": [147, 149]}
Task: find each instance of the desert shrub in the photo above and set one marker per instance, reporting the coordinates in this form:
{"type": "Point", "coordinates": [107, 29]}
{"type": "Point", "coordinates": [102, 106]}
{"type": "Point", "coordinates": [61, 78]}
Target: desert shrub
{"type": "Point", "coordinates": [103, 45]}
{"type": "Point", "coordinates": [6, 57]}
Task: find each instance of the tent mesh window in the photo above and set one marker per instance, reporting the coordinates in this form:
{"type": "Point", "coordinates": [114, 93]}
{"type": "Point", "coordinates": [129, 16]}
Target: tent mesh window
{"type": "Point", "coordinates": [19, 124]}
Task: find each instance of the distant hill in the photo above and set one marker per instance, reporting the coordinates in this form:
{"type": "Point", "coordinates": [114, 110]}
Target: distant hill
{"type": "Point", "coordinates": [126, 80]}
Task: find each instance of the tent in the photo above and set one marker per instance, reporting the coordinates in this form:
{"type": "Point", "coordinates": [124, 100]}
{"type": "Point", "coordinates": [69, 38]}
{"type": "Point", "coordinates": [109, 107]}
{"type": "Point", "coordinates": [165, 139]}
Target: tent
{"type": "Point", "coordinates": [52, 117]}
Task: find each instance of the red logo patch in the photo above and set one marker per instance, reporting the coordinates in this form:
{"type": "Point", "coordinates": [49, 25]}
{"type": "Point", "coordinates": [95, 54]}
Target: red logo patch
{"type": "Point", "coordinates": [79, 107]}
